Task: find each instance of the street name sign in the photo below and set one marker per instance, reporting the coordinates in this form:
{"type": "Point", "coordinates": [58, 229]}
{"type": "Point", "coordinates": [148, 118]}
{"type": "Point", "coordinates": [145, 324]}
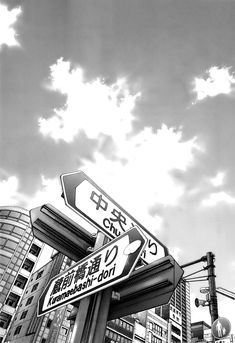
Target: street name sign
{"type": "Point", "coordinates": [112, 263]}
{"type": "Point", "coordinates": [221, 328]}
{"type": "Point", "coordinates": [83, 196]}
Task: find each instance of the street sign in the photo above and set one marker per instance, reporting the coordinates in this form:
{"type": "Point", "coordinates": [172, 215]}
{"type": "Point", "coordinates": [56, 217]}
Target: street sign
{"type": "Point", "coordinates": [83, 196]}
{"type": "Point", "coordinates": [54, 228]}
{"type": "Point", "coordinates": [108, 265]}
{"type": "Point", "coordinates": [149, 286]}
{"type": "Point", "coordinates": [221, 328]}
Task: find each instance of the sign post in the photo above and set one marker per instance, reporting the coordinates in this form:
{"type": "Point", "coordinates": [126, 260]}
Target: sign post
{"type": "Point", "coordinates": [110, 264]}
{"type": "Point", "coordinates": [87, 199]}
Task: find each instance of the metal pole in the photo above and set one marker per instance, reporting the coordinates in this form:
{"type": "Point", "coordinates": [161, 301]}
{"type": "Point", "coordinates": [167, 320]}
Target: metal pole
{"type": "Point", "coordinates": [202, 259]}
{"type": "Point", "coordinates": [213, 305]}
{"type": "Point", "coordinates": [91, 319]}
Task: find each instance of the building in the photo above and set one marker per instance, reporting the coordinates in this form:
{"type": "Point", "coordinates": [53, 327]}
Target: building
{"type": "Point", "coordinates": [201, 332]}
{"type": "Point", "coordinates": [120, 330]}
{"type": "Point", "coordinates": [18, 256]}
{"type": "Point", "coordinates": [52, 327]}
{"type": "Point", "coordinates": [174, 320]}
{"type": "Point", "coordinates": [178, 313]}
{"type": "Point", "coordinates": [149, 327]}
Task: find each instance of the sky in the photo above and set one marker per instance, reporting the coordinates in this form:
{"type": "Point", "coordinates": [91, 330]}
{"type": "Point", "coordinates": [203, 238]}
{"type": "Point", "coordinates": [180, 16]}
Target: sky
{"type": "Point", "coordinates": [140, 96]}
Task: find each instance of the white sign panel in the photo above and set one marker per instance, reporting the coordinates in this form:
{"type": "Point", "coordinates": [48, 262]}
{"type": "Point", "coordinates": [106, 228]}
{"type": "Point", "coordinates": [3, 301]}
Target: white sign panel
{"type": "Point", "coordinates": [108, 265]}
{"type": "Point", "coordinates": [87, 199]}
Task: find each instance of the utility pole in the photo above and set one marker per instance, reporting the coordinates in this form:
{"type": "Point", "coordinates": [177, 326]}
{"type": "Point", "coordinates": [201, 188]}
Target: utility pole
{"type": "Point", "coordinates": [213, 305]}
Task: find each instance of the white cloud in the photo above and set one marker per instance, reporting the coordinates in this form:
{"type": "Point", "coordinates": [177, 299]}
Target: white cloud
{"type": "Point", "coordinates": [141, 175]}
{"type": "Point", "coordinates": [217, 81]}
{"type": "Point", "coordinates": [219, 197]}
{"type": "Point", "coordinates": [7, 19]}
{"type": "Point", "coordinates": [91, 106]}
{"type": "Point", "coordinates": [10, 194]}
{"type": "Point", "coordinates": [218, 180]}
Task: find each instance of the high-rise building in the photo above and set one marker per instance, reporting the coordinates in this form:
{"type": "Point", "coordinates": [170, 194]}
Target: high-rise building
{"type": "Point", "coordinates": [52, 327]}
{"type": "Point", "coordinates": [178, 313]}
{"type": "Point", "coordinates": [18, 256]}
{"type": "Point", "coordinates": [149, 327]}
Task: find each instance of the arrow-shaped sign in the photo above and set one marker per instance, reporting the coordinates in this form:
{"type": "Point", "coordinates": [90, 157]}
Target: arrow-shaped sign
{"type": "Point", "coordinates": [82, 195]}
{"type": "Point", "coordinates": [108, 265]}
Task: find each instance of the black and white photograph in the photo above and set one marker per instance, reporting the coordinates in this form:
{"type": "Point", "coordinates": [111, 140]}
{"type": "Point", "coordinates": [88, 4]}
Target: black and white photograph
{"type": "Point", "coordinates": [117, 171]}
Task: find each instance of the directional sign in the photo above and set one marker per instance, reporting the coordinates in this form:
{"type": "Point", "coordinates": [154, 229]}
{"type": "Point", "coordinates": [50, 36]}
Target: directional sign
{"type": "Point", "coordinates": [108, 265]}
{"type": "Point", "coordinates": [83, 196]}
{"type": "Point", "coordinates": [221, 328]}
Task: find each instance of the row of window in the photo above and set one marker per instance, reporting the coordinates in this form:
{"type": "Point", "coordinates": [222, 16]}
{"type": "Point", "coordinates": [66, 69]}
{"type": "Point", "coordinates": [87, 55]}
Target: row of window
{"type": "Point", "coordinates": [48, 325]}
{"type": "Point", "coordinates": [155, 328]}
{"type": "Point", "coordinates": [116, 337]}
{"type": "Point", "coordinates": [153, 338]}
{"type": "Point", "coordinates": [123, 324]}
{"type": "Point", "coordinates": [7, 214]}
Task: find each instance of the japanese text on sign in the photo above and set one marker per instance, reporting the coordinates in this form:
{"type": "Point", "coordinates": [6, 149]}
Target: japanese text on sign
{"type": "Point", "coordinates": [94, 272]}
{"type": "Point", "coordinates": [110, 218]}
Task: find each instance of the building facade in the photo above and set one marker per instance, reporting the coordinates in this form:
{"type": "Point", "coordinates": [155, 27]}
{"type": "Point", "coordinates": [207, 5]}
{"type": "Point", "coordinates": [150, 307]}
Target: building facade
{"type": "Point", "coordinates": [149, 327]}
{"type": "Point", "coordinates": [19, 252]}
{"type": "Point", "coordinates": [178, 313]}
{"type": "Point", "coordinates": [120, 330]}
{"type": "Point", "coordinates": [52, 327]}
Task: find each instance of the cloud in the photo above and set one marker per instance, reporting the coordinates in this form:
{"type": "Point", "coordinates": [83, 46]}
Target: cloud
{"type": "Point", "coordinates": [140, 175]}
{"type": "Point", "coordinates": [217, 81]}
{"type": "Point", "coordinates": [10, 194]}
{"type": "Point", "coordinates": [7, 19]}
{"type": "Point", "coordinates": [219, 197]}
{"type": "Point", "coordinates": [91, 106]}
{"type": "Point", "coordinates": [218, 180]}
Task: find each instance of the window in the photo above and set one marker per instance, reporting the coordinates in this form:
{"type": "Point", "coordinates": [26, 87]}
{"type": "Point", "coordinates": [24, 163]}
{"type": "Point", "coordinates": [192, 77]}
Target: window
{"type": "Point", "coordinates": [5, 320]}
{"type": "Point", "coordinates": [39, 274]}
{"type": "Point", "coordinates": [24, 218]}
{"type": "Point", "coordinates": [64, 331]}
{"type": "Point", "coordinates": [28, 302]}
{"type": "Point", "coordinates": [17, 330]}
{"type": "Point", "coordinates": [28, 265]}
{"type": "Point", "coordinates": [35, 250]}
{"type": "Point", "coordinates": [49, 323]}
{"type": "Point", "coordinates": [34, 287]}
{"type": "Point", "coordinates": [12, 300]}
{"type": "Point", "coordinates": [15, 214]}
{"type": "Point", "coordinates": [20, 281]}
{"type": "Point", "coordinates": [24, 314]}
{"type": "Point", "coordinates": [43, 340]}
